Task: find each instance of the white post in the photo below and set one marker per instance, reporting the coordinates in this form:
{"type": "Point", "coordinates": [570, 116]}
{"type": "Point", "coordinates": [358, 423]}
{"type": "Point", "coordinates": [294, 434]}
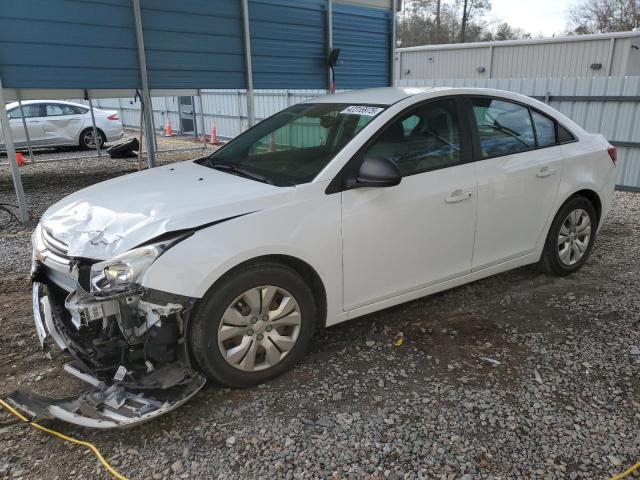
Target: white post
{"type": "Point", "coordinates": [11, 154]}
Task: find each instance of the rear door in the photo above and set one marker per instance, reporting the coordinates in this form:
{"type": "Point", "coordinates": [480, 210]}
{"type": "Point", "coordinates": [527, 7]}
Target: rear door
{"type": "Point", "coordinates": [63, 124]}
{"type": "Point", "coordinates": [518, 169]}
{"type": "Point", "coordinates": [33, 114]}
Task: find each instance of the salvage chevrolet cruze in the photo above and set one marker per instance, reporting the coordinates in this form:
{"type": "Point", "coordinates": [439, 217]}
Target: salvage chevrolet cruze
{"type": "Point", "coordinates": [222, 267]}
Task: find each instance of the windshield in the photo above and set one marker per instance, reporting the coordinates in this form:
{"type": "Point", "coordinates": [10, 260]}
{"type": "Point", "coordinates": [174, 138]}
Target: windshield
{"type": "Point", "coordinates": [293, 146]}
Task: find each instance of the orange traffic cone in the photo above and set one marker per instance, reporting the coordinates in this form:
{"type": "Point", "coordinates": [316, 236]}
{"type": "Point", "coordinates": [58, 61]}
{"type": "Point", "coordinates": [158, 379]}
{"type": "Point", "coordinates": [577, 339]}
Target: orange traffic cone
{"type": "Point", "coordinates": [20, 159]}
{"type": "Point", "coordinates": [168, 131]}
{"type": "Point", "coordinates": [214, 134]}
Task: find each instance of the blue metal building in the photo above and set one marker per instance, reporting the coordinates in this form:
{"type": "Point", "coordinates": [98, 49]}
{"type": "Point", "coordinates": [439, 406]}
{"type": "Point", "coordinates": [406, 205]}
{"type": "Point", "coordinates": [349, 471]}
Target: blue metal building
{"type": "Point", "coordinates": [113, 48]}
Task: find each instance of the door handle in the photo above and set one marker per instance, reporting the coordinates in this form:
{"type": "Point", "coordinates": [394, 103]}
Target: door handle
{"type": "Point", "coordinates": [458, 196]}
{"type": "Point", "coordinates": [545, 172]}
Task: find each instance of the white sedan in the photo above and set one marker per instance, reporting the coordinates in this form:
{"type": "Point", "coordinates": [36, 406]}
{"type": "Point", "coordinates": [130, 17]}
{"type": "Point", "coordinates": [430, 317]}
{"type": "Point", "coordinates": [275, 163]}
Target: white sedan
{"type": "Point", "coordinates": [223, 267]}
{"type": "Point", "coordinates": [53, 123]}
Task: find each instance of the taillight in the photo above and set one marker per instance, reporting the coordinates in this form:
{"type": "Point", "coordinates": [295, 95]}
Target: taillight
{"type": "Point", "coordinates": [613, 153]}
{"type": "Point", "coordinates": [113, 117]}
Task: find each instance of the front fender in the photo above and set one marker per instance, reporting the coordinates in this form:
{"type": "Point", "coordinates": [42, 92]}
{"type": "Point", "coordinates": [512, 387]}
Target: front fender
{"type": "Point", "coordinates": [308, 229]}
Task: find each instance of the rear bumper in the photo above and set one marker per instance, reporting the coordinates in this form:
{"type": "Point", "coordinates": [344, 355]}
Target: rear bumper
{"type": "Point", "coordinates": [113, 135]}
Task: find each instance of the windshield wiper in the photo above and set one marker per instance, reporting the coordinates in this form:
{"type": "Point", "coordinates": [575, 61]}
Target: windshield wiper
{"type": "Point", "coordinates": [241, 172]}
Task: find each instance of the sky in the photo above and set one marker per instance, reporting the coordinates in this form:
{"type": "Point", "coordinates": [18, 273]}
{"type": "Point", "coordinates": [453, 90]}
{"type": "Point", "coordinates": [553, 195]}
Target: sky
{"type": "Point", "coordinates": [536, 17]}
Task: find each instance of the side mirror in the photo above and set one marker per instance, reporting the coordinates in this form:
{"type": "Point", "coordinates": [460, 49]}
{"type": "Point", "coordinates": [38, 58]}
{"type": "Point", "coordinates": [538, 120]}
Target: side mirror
{"type": "Point", "coordinates": [378, 172]}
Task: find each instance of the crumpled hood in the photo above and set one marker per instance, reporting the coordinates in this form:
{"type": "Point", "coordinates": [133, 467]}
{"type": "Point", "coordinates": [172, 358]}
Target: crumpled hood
{"type": "Point", "coordinates": [114, 216]}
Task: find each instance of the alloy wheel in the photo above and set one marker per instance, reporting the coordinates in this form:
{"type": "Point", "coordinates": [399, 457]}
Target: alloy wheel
{"type": "Point", "coordinates": [259, 328]}
{"type": "Point", "coordinates": [89, 141]}
{"type": "Point", "coordinates": [574, 237]}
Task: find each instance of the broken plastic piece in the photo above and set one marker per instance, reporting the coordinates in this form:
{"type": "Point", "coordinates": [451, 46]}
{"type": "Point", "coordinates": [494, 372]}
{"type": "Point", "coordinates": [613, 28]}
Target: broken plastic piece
{"type": "Point", "coordinates": [113, 407]}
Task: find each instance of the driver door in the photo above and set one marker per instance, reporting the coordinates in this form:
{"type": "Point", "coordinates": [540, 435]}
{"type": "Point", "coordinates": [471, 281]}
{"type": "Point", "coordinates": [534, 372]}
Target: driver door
{"type": "Point", "coordinates": [420, 232]}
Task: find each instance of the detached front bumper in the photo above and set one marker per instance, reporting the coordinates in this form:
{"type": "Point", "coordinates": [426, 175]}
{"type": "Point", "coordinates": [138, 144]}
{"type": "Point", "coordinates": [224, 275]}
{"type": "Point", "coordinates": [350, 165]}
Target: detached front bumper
{"type": "Point", "coordinates": [136, 373]}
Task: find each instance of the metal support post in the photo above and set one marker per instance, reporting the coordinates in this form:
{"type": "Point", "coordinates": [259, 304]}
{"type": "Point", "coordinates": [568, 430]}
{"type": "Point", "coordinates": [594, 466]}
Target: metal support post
{"type": "Point", "coordinates": [93, 124]}
{"type": "Point", "coordinates": [146, 96]}
{"type": "Point", "coordinates": [329, 41]}
{"type": "Point", "coordinates": [201, 108]}
{"type": "Point", "coordinates": [251, 116]}
{"type": "Point", "coordinates": [26, 132]}
{"type": "Point", "coordinates": [394, 35]}
{"type": "Point", "coordinates": [11, 154]}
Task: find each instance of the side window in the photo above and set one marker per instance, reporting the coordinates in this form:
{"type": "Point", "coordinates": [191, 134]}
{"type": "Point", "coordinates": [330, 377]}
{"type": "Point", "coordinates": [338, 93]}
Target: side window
{"type": "Point", "coordinates": [30, 110]}
{"type": "Point", "coordinates": [426, 138]}
{"type": "Point", "coordinates": [564, 135]}
{"type": "Point", "coordinates": [57, 109]}
{"type": "Point", "coordinates": [78, 110]}
{"type": "Point", "coordinates": [545, 129]}
{"type": "Point", "coordinates": [504, 127]}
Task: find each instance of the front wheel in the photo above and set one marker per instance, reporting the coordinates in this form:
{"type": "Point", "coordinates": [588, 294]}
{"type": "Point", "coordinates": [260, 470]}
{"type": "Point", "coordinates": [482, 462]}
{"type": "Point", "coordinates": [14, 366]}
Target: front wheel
{"type": "Point", "coordinates": [253, 325]}
{"type": "Point", "coordinates": [570, 238]}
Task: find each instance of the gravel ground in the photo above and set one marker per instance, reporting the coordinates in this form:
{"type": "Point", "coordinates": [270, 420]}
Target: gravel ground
{"type": "Point", "coordinates": [516, 376]}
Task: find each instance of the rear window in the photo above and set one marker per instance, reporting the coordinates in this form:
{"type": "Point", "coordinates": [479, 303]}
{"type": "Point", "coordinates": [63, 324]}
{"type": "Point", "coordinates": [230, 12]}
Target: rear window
{"type": "Point", "coordinates": [57, 109]}
{"type": "Point", "coordinates": [545, 129]}
{"type": "Point", "coordinates": [564, 135]}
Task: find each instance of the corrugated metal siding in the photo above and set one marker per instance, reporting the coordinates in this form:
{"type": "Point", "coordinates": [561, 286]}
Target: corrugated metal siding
{"type": "Point", "coordinates": [617, 121]}
{"type": "Point", "coordinates": [194, 43]}
{"type": "Point", "coordinates": [444, 64]}
{"type": "Point", "coordinates": [551, 59]}
{"type": "Point", "coordinates": [67, 44]}
{"type": "Point", "coordinates": [227, 107]}
{"type": "Point", "coordinates": [288, 43]}
{"type": "Point", "coordinates": [363, 36]}
{"type": "Point", "coordinates": [91, 44]}
{"type": "Point", "coordinates": [524, 59]}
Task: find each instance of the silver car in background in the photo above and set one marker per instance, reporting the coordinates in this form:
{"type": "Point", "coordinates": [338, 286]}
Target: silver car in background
{"type": "Point", "coordinates": [53, 123]}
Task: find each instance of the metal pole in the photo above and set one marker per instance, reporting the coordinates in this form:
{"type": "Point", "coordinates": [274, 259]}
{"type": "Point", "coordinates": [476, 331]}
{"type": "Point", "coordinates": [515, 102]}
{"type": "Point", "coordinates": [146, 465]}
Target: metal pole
{"type": "Point", "coordinates": [204, 132]}
{"type": "Point", "coordinates": [26, 131]}
{"type": "Point", "coordinates": [146, 96]}
{"type": "Point", "coordinates": [11, 154]}
{"type": "Point", "coordinates": [251, 116]}
{"type": "Point", "coordinates": [329, 40]}
{"type": "Point", "coordinates": [394, 34]}
{"type": "Point", "coordinates": [93, 124]}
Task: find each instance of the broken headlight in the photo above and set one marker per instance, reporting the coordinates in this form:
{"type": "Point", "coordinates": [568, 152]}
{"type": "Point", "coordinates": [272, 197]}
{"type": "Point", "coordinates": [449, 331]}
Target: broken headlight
{"type": "Point", "coordinates": [123, 272]}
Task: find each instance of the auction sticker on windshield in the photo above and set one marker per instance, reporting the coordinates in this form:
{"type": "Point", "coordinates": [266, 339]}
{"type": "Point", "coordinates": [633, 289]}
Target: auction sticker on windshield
{"type": "Point", "coordinates": [362, 110]}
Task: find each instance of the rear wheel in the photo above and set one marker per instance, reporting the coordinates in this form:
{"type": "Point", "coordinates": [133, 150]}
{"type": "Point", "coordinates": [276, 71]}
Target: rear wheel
{"type": "Point", "coordinates": [570, 238]}
{"type": "Point", "coordinates": [253, 325]}
{"type": "Point", "coordinates": [87, 141]}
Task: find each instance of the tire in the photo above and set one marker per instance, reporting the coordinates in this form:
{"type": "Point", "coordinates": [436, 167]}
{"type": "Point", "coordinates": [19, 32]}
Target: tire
{"type": "Point", "coordinates": [228, 297]}
{"type": "Point", "coordinates": [87, 134]}
{"type": "Point", "coordinates": [556, 260]}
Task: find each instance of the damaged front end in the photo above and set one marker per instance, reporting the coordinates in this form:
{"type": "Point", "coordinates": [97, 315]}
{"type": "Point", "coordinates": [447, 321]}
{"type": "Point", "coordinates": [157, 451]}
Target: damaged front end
{"type": "Point", "coordinates": [127, 342]}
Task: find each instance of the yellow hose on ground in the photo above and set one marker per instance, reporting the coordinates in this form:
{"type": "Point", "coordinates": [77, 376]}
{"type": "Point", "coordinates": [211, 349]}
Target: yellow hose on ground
{"type": "Point", "coordinates": [82, 443]}
{"type": "Point", "coordinates": [117, 475]}
{"type": "Point", "coordinates": [627, 472]}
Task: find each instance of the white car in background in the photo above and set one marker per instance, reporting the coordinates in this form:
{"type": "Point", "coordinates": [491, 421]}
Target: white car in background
{"type": "Point", "coordinates": [223, 267]}
{"type": "Point", "coordinates": [54, 123]}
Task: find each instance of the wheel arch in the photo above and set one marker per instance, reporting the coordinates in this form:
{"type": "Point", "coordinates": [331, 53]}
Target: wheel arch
{"type": "Point", "coordinates": [304, 269]}
{"type": "Point", "coordinates": [590, 195]}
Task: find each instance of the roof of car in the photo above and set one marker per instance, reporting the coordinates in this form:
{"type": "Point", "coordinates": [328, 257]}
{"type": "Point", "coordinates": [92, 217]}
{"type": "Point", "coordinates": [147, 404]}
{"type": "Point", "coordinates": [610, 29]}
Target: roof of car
{"type": "Point", "coordinates": [28, 102]}
{"type": "Point", "coordinates": [377, 96]}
